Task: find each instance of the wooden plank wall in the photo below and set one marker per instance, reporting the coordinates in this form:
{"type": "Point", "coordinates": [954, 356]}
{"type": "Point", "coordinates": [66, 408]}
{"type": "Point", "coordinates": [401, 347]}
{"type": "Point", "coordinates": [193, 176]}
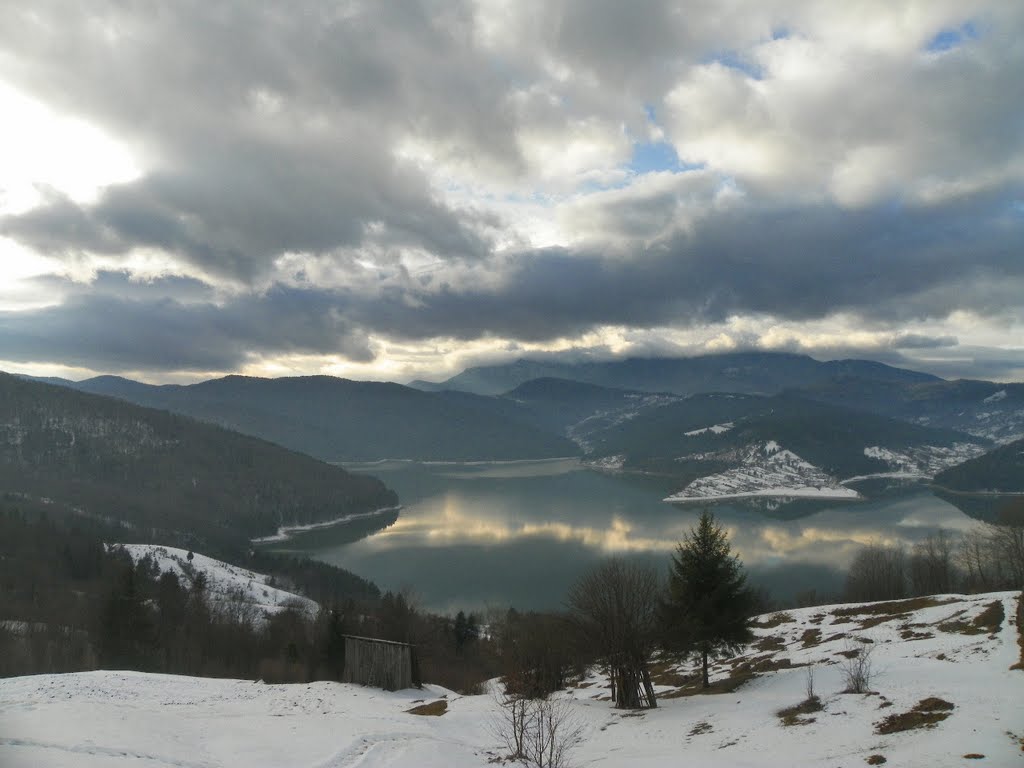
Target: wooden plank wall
{"type": "Point", "coordinates": [378, 663]}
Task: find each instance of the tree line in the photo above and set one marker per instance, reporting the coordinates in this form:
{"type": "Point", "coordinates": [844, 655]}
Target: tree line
{"type": "Point", "coordinates": [986, 558]}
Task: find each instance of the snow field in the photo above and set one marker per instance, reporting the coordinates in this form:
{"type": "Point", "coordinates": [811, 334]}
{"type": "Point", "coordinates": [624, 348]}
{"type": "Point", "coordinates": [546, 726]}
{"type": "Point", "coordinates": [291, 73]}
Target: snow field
{"type": "Point", "coordinates": [132, 719]}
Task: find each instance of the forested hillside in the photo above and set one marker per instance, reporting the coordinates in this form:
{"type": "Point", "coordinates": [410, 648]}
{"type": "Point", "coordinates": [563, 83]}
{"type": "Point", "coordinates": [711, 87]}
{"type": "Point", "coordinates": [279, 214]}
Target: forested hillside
{"type": "Point", "coordinates": [1000, 470]}
{"type": "Point", "coordinates": [165, 476]}
{"type": "Point", "coordinates": [340, 420]}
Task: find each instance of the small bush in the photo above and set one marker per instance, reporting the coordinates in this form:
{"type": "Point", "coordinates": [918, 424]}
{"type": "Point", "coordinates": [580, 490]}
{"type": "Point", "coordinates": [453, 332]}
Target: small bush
{"type": "Point", "coordinates": [857, 669]}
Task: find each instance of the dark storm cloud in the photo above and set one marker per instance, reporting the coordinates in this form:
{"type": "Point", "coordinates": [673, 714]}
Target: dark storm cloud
{"type": "Point", "coordinates": [805, 264]}
{"type": "Point", "coordinates": [124, 334]}
{"type": "Point", "coordinates": [797, 264]}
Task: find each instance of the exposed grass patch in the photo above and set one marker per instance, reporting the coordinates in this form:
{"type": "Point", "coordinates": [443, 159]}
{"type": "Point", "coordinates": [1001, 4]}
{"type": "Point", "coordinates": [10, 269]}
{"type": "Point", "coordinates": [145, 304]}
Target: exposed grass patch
{"type": "Point", "coordinates": [913, 634]}
{"type": "Point", "coordinates": [433, 709]}
{"type": "Point", "coordinates": [927, 713]}
{"type": "Point", "coordinates": [876, 759]}
{"type": "Point", "coordinates": [874, 621]}
{"type": "Point", "coordinates": [775, 620]}
{"type": "Point", "coordinates": [701, 728]}
{"type": "Point", "coordinates": [797, 714]}
{"type": "Point", "coordinates": [987, 622]}
{"type": "Point", "coordinates": [770, 643]}
{"type": "Point", "coordinates": [974, 756]}
{"type": "Point", "coordinates": [892, 608]}
{"type": "Point", "coordinates": [811, 637]}
{"type": "Point", "coordinates": [694, 686]}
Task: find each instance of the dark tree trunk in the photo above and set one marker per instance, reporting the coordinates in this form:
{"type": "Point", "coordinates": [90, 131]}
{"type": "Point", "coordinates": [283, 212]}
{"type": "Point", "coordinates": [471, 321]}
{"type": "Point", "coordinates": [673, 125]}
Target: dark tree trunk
{"type": "Point", "coordinates": [704, 667]}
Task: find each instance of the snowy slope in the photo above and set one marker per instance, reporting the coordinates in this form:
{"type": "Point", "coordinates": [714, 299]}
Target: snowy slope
{"type": "Point", "coordinates": [928, 648]}
{"type": "Point", "coordinates": [228, 586]}
{"type": "Point", "coordinates": [765, 469]}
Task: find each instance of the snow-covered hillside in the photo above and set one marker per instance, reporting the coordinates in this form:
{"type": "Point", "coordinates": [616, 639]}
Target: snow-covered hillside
{"type": "Point", "coordinates": [948, 657]}
{"type": "Point", "coordinates": [765, 469]}
{"type": "Point", "coordinates": [228, 586]}
{"type": "Point", "coordinates": [923, 461]}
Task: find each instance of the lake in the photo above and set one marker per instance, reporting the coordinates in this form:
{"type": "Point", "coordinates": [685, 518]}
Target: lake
{"type": "Point", "coordinates": [493, 535]}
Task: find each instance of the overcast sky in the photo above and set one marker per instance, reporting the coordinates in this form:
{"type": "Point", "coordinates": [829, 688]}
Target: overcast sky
{"type": "Point", "coordinates": [401, 189]}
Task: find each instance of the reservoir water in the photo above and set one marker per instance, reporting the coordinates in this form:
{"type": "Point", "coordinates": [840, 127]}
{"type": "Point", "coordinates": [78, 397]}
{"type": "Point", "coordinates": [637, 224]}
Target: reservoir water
{"type": "Point", "coordinates": [493, 535]}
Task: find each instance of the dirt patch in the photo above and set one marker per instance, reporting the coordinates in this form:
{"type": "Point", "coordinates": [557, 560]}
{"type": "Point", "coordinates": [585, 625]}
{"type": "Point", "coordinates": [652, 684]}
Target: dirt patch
{"type": "Point", "coordinates": [974, 756]}
{"type": "Point", "coordinates": [877, 760]}
{"type": "Point", "coordinates": [987, 622]}
{"type": "Point", "coordinates": [433, 709]}
{"type": "Point", "coordinates": [927, 713]}
{"type": "Point", "coordinates": [797, 714]}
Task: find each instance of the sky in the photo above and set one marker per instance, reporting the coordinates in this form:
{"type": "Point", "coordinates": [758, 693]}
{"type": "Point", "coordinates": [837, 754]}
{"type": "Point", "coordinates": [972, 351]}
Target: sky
{"type": "Point", "coordinates": [401, 189]}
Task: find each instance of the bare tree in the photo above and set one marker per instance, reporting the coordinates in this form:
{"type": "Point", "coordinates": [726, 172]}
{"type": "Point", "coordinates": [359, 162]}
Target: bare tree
{"type": "Point", "coordinates": [1006, 538]}
{"type": "Point", "coordinates": [932, 570]}
{"type": "Point", "coordinates": [878, 572]}
{"type": "Point", "coordinates": [616, 606]}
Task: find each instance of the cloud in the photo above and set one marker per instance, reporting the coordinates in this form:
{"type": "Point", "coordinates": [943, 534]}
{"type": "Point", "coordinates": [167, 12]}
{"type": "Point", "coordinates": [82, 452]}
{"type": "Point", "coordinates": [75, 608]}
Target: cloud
{"type": "Point", "coordinates": [362, 176]}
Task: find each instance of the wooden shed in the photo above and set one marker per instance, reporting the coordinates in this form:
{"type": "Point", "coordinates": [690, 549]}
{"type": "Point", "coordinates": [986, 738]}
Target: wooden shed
{"type": "Point", "coordinates": [380, 663]}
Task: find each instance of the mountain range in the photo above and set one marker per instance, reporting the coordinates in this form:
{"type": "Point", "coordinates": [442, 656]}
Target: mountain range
{"type": "Point", "coordinates": [756, 373]}
{"type": "Point", "coordinates": [679, 419]}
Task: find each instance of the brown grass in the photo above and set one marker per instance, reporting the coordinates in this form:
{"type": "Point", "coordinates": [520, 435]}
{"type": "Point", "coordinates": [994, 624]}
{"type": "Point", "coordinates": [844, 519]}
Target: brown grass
{"type": "Point", "coordinates": [433, 709]}
{"type": "Point", "coordinates": [987, 622]}
{"type": "Point", "coordinates": [874, 621]}
{"type": "Point", "coordinates": [773, 621]}
{"type": "Point", "coordinates": [770, 643]}
{"type": "Point", "coordinates": [810, 637]}
{"type": "Point", "coordinates": [912, 634]}
{"type": "Point", "coordinates": [796, 715]}
{"type": "Point", "coordinates": [892, 608]}
{"type": "Point", "coordinates": [927, 713]}
{"type": "Point", "coordinates": [974, 756]}
{"type": "Point", "coordinates": [876, 760]}
{"type": "Point", "coordinates": [726, 685]}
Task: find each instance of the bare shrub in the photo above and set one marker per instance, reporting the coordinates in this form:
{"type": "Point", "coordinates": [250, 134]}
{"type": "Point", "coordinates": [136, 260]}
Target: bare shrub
{"type": "Point", "coordinates": [539, 732]}
{"type": "Point", "coordinates": [857, 668]}
{"type": "Point", "coordinates": [809, 682]}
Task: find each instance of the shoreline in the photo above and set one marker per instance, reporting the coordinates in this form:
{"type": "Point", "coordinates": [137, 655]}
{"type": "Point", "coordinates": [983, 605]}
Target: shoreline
{"type": "Point", "coordinates": [770, 493]}
{"type": "Point", "coordinates": [285, 532]}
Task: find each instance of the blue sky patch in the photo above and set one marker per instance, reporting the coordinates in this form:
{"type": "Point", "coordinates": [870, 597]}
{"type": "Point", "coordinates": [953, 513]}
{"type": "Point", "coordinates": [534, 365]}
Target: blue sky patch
{"type": "Point", "coordinates": [948, 39]}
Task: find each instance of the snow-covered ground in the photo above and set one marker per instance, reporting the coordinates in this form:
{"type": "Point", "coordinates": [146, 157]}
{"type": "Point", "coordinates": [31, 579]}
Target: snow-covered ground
{"type": "Point", "coordinates": [228, 586]}
{"type": "Point", "coordinates": [922, 460]}
{"type": "Point", "coordinates": [765, 469]}
{"type": "Point", "coordinates": [958, 649]}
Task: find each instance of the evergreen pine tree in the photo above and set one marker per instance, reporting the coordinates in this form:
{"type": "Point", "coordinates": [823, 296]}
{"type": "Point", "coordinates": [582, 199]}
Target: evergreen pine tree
{"type": "Point", "coordinates": [708, 606]}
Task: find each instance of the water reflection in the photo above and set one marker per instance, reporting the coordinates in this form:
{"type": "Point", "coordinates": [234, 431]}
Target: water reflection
{"type": "Point", "coordinates": [519, 534]}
